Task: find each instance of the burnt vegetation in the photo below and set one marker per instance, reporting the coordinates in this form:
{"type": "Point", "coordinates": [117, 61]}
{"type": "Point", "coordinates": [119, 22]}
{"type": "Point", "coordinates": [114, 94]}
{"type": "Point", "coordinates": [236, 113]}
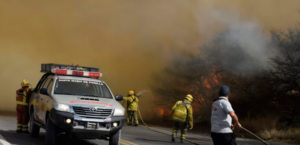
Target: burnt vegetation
{"type": "Point", "coordinates": [259, 88]}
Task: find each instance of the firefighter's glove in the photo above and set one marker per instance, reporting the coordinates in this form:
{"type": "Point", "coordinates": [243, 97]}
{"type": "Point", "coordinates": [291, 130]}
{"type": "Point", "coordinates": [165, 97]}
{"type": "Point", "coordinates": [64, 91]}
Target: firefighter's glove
{"type": "Point", "coordinates": [190, 127]}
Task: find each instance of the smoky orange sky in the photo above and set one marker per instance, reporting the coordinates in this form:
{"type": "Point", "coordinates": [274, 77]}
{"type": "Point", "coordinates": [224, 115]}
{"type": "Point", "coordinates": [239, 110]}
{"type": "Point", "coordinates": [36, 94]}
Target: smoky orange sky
{"type": "Point", "coordinates": [128, 40]}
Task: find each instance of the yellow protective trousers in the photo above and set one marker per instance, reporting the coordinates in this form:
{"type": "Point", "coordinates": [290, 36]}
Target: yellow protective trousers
{"type": "Point", "coordinates": [132, 118]}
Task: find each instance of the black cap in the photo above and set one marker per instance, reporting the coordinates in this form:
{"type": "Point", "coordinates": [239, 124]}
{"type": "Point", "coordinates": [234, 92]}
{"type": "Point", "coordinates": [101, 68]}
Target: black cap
{"type": "Point", "coordinates": [224, 91]}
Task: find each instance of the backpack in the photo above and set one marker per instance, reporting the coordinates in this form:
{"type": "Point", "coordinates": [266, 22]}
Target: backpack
{"type": "Point", "coordinates": [180, 112]}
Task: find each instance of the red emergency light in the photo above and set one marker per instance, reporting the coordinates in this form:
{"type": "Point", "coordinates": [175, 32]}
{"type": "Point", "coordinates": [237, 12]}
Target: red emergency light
{"type": "Point", "coordinates": [76, 73]}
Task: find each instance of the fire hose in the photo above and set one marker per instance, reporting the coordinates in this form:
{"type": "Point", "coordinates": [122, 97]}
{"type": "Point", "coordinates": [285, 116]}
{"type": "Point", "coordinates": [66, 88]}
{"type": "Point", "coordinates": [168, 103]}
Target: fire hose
{"type": "Point", "coordinates": [156, 130]}
{"type": "Point", "coordinates": [254, 135]}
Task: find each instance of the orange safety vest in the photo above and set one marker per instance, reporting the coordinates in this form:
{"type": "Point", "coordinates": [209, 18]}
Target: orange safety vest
{"type": "Point", "coordinates": [23, 96]}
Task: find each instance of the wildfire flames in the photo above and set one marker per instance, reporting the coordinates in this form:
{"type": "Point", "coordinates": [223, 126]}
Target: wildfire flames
{"type": "Point", "coordinates": [162, 111]}
{"type": "Point", "coordinates": [201, 91]}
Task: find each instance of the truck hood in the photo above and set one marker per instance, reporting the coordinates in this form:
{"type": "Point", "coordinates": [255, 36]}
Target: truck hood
{"type": "Point", "coordinates": [78, 100]}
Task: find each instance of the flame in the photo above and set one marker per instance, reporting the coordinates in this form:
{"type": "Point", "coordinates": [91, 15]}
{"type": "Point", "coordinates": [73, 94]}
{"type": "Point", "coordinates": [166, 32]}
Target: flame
{"type": "Point", "coordinates": [215, 78]}
{"type": "Point", "coordinates": [294, 92]}
{"type": "Point", "coordinates": [206, 84]}
{"type": "Point", "coordinates": [162, 111]}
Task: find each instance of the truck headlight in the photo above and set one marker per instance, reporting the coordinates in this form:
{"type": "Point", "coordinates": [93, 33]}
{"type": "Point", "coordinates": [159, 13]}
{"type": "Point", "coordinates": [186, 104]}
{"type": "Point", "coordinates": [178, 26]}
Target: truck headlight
{"type": "Point", "coordinates": [62, 107]}
{"type": "Point", "coordinates": [118, 112]}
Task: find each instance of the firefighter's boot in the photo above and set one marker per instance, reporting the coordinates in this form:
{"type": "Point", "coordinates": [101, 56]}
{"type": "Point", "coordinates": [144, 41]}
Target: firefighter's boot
{"type": "Point", "coordinates": [173, 138]}
{"type": "Point", "coordinates": [25, 129]}
{"type": "Point", "coordinates": [182, 138]}
{"type": "Point", "coordinates": [19, 128]}
{"type": "Point", "coordinates": [174, 135]}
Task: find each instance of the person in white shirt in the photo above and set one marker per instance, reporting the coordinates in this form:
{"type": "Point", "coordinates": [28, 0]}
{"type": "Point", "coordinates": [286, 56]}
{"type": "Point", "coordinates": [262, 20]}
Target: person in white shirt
{"type": "Point", "coordinates": [221, 119]}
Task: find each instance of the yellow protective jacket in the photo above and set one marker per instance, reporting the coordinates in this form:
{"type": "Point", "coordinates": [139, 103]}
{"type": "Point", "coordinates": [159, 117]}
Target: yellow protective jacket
{"type": "Point", "coordinates": [23, 95]}
{"type": "Point", "coordinates": [131, 104]}
{"type": "Point", "coordinates": [182, 113]}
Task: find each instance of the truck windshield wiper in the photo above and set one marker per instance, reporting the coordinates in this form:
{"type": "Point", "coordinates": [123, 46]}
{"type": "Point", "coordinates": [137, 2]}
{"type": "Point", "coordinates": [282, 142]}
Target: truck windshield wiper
{"type": "Point", "coordinates": [91, 95]}
{"type": "Point", "coordinates": [65, 94]}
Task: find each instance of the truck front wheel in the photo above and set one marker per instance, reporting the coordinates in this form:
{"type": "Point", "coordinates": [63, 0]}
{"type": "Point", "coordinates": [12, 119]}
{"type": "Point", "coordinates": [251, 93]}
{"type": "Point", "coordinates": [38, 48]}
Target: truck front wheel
{"type": "Point", "coordinates": [114, 139]}
{"type": "Point", "coordinates": [50, 133]}
{"type": "Point", "coordinates": [33, 128]}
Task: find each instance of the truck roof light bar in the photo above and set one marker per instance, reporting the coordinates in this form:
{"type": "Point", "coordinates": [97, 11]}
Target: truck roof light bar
{"type": "Point", "coordinates": [71, 70]}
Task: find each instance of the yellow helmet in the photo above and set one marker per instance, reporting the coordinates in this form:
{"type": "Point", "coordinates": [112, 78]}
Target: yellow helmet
{"type": "Point", "coordinates": [25, 83]}
{"type": "Point", "coordinates": [131, 92]}
{"type": "Point", "coordinates": [189, 97]}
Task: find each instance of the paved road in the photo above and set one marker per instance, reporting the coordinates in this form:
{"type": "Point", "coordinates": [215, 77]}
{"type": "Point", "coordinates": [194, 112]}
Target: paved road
{"type": "Point", "coordinates": [130, 136]}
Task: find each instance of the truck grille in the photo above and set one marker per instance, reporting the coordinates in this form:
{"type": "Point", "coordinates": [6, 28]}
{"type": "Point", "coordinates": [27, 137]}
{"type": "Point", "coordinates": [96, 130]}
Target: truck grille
{"type": "Point", "coordinates": [87, 112]}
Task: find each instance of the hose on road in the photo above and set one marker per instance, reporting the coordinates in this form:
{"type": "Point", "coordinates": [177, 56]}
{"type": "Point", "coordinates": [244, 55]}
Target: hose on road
{"type": "Point", "coordinates": [254, 135]}
{"type": "Point", "coordinates": [161, 131]}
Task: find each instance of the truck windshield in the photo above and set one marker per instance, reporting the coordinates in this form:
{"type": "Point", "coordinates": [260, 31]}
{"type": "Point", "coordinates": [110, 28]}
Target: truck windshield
{"type": "Point", "coordinates": [82, 88]}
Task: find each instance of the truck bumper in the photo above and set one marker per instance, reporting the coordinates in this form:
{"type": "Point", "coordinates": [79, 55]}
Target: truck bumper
{"type": "Point", "coordinates": [86, 127]}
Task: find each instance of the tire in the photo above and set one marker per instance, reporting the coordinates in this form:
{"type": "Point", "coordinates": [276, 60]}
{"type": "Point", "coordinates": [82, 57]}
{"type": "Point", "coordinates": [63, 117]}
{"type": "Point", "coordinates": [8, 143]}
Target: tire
{"type": "Point", "coordinates": [114, 139]}
{"type": "Point", "coordinates": [50, 133]}
{"type": "Point", "coordinates": [33, 128]}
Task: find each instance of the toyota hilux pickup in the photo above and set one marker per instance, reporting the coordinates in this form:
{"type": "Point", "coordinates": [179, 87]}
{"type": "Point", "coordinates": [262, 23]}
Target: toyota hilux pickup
{"type": "Point", "coordinates": [73, 100]}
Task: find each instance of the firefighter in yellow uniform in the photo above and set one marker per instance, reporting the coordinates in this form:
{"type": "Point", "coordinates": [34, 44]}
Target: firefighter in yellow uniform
{"type": "Point", "coordinates": [182, 116]}
{"type": "Point", "coordinates": [22, 97]}
{"type": "Point", "coordinates": [132, 108]}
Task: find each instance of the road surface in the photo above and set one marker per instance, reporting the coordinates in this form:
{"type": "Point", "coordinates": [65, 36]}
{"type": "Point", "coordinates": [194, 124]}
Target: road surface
{"type": "Point", "coordinates": [130, 135]}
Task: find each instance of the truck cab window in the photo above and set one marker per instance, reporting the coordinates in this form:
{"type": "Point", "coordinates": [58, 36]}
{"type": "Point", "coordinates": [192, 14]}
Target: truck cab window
{"type": "Point", "coordinates": [50, 86]}
{"type": "Point", "coordinates": [46, 83]}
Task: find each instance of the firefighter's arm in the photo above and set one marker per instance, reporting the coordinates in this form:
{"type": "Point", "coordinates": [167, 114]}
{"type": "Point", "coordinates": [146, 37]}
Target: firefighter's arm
{"type": "Point", "coordinates": [175, 105]}
{"type": "Point", "coordinates": [17, 95]}
{"type": "Point", "coordinates": [125, 98]}
{"type": "Point", "coordinates": [190, 117]}
{"type": "Point", "coordinates": [29, 92]}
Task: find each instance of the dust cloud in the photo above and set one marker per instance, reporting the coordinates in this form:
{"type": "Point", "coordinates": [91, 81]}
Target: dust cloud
{"type": "Point", "coordinates": [128, 40]}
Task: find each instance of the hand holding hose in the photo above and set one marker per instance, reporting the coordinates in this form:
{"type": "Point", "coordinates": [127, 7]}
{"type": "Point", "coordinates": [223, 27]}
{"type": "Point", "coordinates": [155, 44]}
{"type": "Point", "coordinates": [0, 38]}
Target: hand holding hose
{"type": "Point", "coordinates": [232, 127]}
{"type": "Point", "coordinates": [237, 124]}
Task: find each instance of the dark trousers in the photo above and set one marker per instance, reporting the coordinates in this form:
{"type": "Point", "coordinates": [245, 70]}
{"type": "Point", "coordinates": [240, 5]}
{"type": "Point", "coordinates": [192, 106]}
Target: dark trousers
{"type": "Point", "coordinates": [223, 138]}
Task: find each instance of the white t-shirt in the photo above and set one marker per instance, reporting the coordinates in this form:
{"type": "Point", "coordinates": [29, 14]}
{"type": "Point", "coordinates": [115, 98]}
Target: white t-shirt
{"type": "Point", "coordinates": [220, 119]}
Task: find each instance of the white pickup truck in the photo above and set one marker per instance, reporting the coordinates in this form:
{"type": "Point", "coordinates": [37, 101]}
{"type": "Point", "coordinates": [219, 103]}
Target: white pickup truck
{"type": "Point", "coordinates": [73, 100]}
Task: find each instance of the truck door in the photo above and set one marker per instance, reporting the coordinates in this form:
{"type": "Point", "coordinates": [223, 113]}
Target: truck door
{"type": "Point", "coordinates": [46, 100]}
{"type": "Point", "coordinates": [41, 99]}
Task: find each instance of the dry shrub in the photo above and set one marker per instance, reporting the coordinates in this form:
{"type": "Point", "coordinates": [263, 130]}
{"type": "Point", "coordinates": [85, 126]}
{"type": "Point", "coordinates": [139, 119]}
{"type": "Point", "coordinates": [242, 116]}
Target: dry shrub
{"type": "Point", "coordinates": [288, 135]}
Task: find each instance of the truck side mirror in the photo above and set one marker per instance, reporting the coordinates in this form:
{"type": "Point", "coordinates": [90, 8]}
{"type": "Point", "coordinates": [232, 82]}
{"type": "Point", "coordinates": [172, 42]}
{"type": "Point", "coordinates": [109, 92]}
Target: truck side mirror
{"type": "Point", "coordinates": [44, 91]}
{"type": "Point", "coordinates": [119, 97]}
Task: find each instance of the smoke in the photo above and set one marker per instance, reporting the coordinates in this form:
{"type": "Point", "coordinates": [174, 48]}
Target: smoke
{"type": "Point", "coordinates": [128, 41]}
{"type": "Point", "coordinates": [241, 47]}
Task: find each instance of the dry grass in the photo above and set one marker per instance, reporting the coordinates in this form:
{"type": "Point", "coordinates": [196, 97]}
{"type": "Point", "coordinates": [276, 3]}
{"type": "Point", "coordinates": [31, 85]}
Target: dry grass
{"type": "Point", "coordinates": [286, 135]}
{"type": "Point", "coordinates": [260, 123]}
{"type": "Point", "coordinates": [268, 128]}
